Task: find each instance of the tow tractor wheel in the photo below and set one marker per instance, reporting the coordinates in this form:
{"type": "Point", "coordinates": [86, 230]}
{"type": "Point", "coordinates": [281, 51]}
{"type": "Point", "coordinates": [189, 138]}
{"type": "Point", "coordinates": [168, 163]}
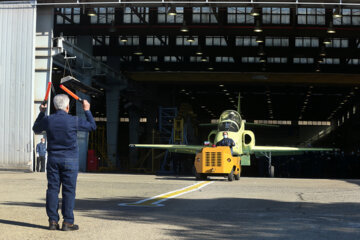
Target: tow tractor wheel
{"type": "Point", "coordinates": [231, 176]}
{"type": "Point", "coordinates": [237, 176]}
{"type": "Point", "coordinates": [199, 176]}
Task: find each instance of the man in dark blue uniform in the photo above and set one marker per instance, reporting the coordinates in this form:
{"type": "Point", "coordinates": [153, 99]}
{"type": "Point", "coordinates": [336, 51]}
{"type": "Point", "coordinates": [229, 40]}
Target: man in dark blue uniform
{"type": "Point", "coordinates": [41, 153]}
{"type": "Point", "coordinates": [63, 157]}
{"type": "Point", "coordinates": [226, 141]}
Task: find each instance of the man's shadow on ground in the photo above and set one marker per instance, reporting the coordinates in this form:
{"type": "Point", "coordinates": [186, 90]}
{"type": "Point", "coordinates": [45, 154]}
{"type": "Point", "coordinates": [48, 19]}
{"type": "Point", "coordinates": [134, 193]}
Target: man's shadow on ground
{"type": "Point", "coordinates": [22, 224]}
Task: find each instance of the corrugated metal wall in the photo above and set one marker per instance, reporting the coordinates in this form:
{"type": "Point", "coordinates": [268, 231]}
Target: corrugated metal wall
{"type": "Point", "coordinates": [17, 35]}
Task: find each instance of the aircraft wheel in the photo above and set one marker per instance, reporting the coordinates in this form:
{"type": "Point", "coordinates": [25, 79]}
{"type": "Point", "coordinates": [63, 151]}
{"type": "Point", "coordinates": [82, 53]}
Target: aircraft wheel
{"type": "Point", "coordinates": [272, 171]}
{"type": "Point", "coordinates": [231, 176]}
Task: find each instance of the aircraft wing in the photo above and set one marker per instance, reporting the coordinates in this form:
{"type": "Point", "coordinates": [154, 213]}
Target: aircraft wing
{"type": "Point", "coordinates": [283, 151]}
{"type": "Point", "coordinates": [249, 124]}
{"type": "Point", "coordinates": [191, 149]}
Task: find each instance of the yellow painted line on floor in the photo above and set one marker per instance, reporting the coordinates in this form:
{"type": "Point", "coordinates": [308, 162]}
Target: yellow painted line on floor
{"type": "Point", "coordinates": [155, 201]}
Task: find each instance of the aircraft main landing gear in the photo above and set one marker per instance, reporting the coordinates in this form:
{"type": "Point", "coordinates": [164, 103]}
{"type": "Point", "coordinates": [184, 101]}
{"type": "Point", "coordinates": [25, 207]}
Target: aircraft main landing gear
{"type": "Point", "coordinates": [271, 168]}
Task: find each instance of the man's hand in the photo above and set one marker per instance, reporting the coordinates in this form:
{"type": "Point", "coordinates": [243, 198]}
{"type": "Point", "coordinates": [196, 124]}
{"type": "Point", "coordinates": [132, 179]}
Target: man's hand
{"type": "Point", "coordinates": [43, 107]}
{"type": "Point", "coordinates": [86, 105]}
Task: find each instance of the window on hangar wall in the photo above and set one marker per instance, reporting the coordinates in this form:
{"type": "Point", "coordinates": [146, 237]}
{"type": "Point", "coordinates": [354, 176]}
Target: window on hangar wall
{"type": "Point", "coordinates": [306, 42]}
{"type": "Point", "coordinates": [163, 16]}
{"type": "Point", "coordinates": [276, 41]}
{"type": "Point", "coordinates": [131, 41]}
{"type": "Point", "coordinates": [224, 59]}
{"type": "Point", "coordinates": [68, 15]}
{"type": "Point", "coordinates": [338, 43]}
{"type": "Point", "coordinates": [277, 60]}
{"type": "Point", "coordinates": [157, 40]}
{"type": "Point", "coordinates": [246, 41]}
{"type": "Point", "coordinates": [311, 16]}
{"type": "Point", "coordinates": [250, 59]}
{"type": "Point", "coordinates": [240, 15]}
{"type": "Point", "coordinates": [173, 58]}
{"type": "Point", "coordinates": [303, 60]}
{"type": "Point", "coordinates": [182, 41]}
{"type": "Point", "coordinates": [331, 61]}
{"type": "Point", "coordinates": [349, 17]}
{"type": "Point", "coordinates": [136, 15]}
{"type": "Point", "coordinates": [101, 40]}
{"type": "Point", "coordinates": [272, 15]}
{"type": "Point", "coordinates": [215, 41]}
{"type": "Point", "coordinates": [204, 15]}
{"type": "Point", "coordinates": [103, 16]}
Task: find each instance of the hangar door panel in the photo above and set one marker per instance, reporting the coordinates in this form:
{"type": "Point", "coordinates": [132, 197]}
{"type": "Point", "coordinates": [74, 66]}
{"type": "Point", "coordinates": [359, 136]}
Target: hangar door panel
{"type": "Point", "coordinates": [17, 34]}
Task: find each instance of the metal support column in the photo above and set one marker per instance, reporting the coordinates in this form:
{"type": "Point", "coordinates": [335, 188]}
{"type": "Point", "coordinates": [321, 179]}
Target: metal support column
{"type": "Point", "coordinates": [85, 43]}
{"type": "Point", "coordinates": [112, 124]}
{"type": "Point", "coordinates": [133, 135]}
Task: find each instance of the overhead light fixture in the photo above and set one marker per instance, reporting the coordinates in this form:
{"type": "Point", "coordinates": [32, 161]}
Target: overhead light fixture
{"type": "Point", "coordinates": [337, 13]}
{"type": "Point", "coordinates": [320, 60]}
{"type": "Point", "coordinates": [326, 41]}
{"type": "Point", "coordinates": [146, 59]}
{"type": "Point", "coordinates": [172, 11]}
{"type": "Point", "coordinates": [255, 12]}
{"type": "Point", "coordinates": [112, 27]}
{"type": "Point", "coordinates": [322, 51]}
{"type": "Point", "coordinates": [55, 68]}
{"type": "Point", "coordinates": [123, 39]}
{"type": "Point", "coordinates": [204, 59]}
{"type": "Point", "coordinates": [91, 12]}
{"type": "Point", "coordinates": [184, 28]}
{"type": "Point", "coordinates": [138, 52]}
{"type": "Point", "coordinates": [157, 69]}
{"type": "Point", "coordinates": [259, 39]}
{"type": "Point", "coordinates": [257, 27]}
{"type": "Point", "coordinates": [261, 51]}
{"type": "Point", "coordinates": [190, 39]}
{"type": "Point", "coordinates": [262, 59]}
{"type": "Point", "coordinates": [331, 28]}
{"type": "Point", "coordinates": [198, 51]}
{"type": "Point", "coordinates": [210, 68]}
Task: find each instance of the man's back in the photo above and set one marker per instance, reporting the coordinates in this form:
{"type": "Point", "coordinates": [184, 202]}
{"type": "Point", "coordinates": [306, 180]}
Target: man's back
{"type": "Point", "coordinates": [61, 129]}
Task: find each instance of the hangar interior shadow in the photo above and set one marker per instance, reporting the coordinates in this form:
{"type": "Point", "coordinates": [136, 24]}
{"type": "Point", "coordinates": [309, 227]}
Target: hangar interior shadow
{"type": "Point", "coordinates": [226, 218]}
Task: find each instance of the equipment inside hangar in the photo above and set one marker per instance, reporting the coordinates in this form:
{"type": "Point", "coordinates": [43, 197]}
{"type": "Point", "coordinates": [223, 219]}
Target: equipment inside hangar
{"type": "Point", "coordinates": [166, 68]}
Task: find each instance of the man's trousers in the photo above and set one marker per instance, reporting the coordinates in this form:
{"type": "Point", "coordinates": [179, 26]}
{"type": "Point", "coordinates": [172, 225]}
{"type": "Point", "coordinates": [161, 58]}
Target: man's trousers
{"type": "Point", "coordinates": [40, 164]}
{"type": "Point", "coordinates": [61, 172]}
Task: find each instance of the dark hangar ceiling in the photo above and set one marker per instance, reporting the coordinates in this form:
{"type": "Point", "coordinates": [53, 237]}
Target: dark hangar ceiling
{"type": "Point", "coordinates": [320, 77]}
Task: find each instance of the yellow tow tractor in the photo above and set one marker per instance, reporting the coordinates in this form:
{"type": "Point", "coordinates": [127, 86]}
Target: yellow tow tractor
{"type": "Point", "coordinates": [217, 161]}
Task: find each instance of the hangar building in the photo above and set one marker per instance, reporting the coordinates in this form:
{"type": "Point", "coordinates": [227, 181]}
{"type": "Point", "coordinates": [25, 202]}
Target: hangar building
{"type": "Point", "coordinates": [295, 64]}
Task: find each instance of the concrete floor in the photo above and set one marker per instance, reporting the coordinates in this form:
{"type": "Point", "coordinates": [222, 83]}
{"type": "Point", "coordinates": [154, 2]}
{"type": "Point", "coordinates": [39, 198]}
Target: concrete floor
{"type": "Point", "coordinates": [252, 208]}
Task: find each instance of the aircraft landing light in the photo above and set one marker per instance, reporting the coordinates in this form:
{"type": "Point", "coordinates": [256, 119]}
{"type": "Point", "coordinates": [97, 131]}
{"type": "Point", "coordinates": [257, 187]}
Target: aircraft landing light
{"type": "Point", "coordinates": [155, 201]}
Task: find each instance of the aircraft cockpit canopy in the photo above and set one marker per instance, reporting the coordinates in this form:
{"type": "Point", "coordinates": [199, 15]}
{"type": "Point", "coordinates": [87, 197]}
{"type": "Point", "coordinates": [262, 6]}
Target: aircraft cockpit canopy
{"type": "Point", "coordinates": [230, 120]}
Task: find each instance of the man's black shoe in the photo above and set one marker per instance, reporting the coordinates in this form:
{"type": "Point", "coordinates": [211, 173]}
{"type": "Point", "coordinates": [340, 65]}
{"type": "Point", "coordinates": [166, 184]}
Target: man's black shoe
{"type": "Point", "coordinates": [53, 225]}
{"type": "Point", "coordinates": [69, 227]}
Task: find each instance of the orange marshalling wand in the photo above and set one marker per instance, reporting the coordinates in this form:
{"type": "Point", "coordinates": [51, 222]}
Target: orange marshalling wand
{"type": "Point", "coordinates": [47, 94]}
{"type": "Point", "coordinates": [70, 93]}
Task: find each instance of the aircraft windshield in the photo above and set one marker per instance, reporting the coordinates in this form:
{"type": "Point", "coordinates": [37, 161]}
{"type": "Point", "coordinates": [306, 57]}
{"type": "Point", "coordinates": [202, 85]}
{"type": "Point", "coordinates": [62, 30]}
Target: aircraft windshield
{"type": "Point", "coordinates": [229, 121]}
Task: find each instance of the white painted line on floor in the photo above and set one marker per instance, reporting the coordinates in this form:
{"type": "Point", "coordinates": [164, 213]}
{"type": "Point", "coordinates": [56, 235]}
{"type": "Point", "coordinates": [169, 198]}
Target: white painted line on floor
{"type": "Point", "coordinates": [155, 201]}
